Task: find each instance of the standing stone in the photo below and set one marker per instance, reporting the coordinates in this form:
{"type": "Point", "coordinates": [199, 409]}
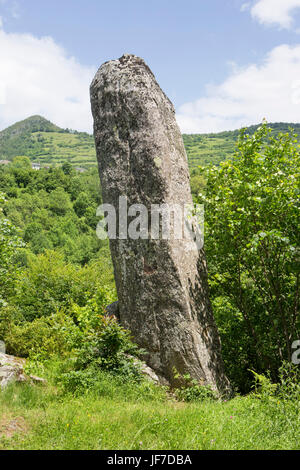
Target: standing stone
{"type": "Point", "coordinates": [161, 284]}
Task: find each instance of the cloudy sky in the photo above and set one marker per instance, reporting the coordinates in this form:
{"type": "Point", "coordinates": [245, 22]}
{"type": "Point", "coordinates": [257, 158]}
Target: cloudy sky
{"type": "Point", "coordinates": [224, 63]}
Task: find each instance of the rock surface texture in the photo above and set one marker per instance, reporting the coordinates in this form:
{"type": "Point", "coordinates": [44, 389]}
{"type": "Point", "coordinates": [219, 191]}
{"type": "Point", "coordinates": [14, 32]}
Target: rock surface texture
{"type": "Point", "coordinates": [161, 284]}
{"type": "Point", "coordinates": [12, 370]}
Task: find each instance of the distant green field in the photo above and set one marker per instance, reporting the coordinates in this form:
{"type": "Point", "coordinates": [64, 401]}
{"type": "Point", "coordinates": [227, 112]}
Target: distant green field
{"type": "Point", "coordinates": [79, 149]}
{"type": "Point", "coordinates": [58, 147]}
{"type": "Point", "coordinates": [204, 150]}
{"type": "Point", "coordinates": [43, 142]}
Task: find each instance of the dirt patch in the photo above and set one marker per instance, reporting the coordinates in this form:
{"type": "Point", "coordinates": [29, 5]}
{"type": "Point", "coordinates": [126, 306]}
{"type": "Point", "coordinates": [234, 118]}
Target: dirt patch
{"type": "Point", "coordinates": [9, 426]}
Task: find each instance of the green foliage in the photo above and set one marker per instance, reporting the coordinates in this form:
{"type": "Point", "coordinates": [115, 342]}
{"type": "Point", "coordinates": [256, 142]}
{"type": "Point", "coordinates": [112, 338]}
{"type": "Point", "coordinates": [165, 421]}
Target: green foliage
{"type": "Point", "coordinates": [237, 350]}
{"type": "Point", "coordinates": [59, 202]}
{"type": "Point", "coordinates": [264, 388]}
{"type": "Point", "coordinates": [10, 242]}
{"type": "Point", "coordinates": [252, 241]}
{"type": "Point", "coordinates": [21, 162]}
{"type": "Point", "coordinates": [281, 399]}
{"type": "Point", "coordinates": [67, 168]}
{"type": "Point", "coordinates": [198, 183]}
{"type": "Point", "coordinates": [47, 336]}
{"type": "Point", "coordinates": [106, 347]}
{"type": "Point", "coordinates": [53, 306]}
{"type": "Point", "coordinates": [191, 391]}
{"type": "Point", "coordinates": [47, 285]}
{"type": "Point", "coordinates": [212, 149]}
{"type": "Point", "coordinates": [54, 209]}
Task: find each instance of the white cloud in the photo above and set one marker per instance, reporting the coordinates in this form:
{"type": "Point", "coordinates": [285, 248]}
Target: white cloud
{"type": "Point", "coordinates": [39, 78]}
{"type": "Point", "coordinates": [270, 90]}
{"type": "Point", "coordinates": [275, 12]}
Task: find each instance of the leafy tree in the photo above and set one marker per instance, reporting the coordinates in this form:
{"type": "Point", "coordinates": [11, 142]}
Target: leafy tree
{"type": "Point", "coordinates": [252, 245]}
{"type": "Point", "coordinates": [21, 162]}
{"type": "Point", "coordinates": [9, 243]}
{"type": "Point", "coordinates": [67, 168]}
{"type": "Point", "coordinates": [81, 204]}
{"type": "Point", "coordinates": [197, 184]}
{"type": "Point", "coordinates": [59, 201]}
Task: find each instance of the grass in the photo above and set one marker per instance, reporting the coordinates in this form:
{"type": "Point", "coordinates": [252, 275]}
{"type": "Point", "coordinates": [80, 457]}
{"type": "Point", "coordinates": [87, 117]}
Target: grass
{"type": "Point", "coordinates": [124, 416]}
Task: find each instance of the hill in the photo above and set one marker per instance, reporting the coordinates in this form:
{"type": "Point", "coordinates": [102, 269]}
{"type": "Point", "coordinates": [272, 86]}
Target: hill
{"type": "Point", "coordinates": [205, 149]}
{"type": "Point", "coordinates": [44, 142]}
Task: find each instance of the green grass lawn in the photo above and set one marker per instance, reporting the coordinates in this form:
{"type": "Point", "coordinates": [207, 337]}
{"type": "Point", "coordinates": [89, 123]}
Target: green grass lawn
{"type": "Point", "coordinates": [129, 417]}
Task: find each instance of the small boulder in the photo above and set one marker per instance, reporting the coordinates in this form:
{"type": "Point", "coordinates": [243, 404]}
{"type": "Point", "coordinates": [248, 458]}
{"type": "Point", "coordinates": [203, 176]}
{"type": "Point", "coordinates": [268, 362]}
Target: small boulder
{"type": "Point", "coordinates": [12, 370]}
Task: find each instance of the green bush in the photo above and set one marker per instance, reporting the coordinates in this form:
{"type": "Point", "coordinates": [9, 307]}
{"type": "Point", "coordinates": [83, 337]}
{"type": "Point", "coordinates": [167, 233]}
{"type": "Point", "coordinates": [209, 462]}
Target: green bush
{"type": "Point", "coordinates": [108, 346]}
{"type": "Point", "coordinates": [91, 345]}
{"type": "Point", "coordinates": [191, 391]}
{"type": "Point", "coordinates": [289, 381]}
{"type": "Point", "coordinates": [48, 284]}
{"type": "Point", "coordinates": [101, 383]}
{"type": "Point", "coordinates": [287, 387]}
{"type": "Point", "coordinates": [44, 336]}
{"type": "Point", "coordinates": [252, 247]}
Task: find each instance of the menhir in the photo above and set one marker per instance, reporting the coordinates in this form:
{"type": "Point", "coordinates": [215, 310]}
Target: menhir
{"type": "Point", "coordinates": [161, 283]}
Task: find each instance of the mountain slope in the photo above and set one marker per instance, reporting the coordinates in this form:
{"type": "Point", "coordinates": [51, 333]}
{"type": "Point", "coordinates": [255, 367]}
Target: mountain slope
{"type": "Point", "coordinates": [31, 124]}
{"type": "Point", "coordinates": [204, 149]}
{"type": "Point", "coordinates": [42, 141]}
{"type": "Point", "coordinates": [16, 139]}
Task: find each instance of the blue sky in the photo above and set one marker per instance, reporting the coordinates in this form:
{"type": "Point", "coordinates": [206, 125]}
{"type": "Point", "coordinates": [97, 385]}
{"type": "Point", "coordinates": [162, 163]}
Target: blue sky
{"type": "Point", "coordinates": [223, 63]}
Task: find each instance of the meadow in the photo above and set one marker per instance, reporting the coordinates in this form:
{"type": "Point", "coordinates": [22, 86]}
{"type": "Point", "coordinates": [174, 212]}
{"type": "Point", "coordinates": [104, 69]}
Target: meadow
{"type": "Point", "coordinates": [124, 416]}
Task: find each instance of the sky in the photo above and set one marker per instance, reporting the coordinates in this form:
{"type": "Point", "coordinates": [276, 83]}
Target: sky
{"type": "Point", "coordinates": [225, 64]}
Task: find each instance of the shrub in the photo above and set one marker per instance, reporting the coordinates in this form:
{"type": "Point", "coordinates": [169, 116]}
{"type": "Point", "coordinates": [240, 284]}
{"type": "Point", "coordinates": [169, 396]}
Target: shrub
{"type": "Point", "coordinates": [287, 388]}
{"type": "Point", "coordinates": [252, 246]}
{"type": "Point", "coordinates": [191, 391]}
{"type": "Point", "coordinates": [109, 347]}
{"type": "Point", "coordinates": [44, 336]}
{"type": "Point", "coordinates": [101, 383]}
{"type": "Point", "coordinates": [289, 385]}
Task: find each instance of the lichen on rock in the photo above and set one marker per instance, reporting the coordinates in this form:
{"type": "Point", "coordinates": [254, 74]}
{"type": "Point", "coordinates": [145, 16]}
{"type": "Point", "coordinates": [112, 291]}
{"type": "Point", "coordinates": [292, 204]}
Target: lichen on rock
{"type": "Point", "coordinates": [162, 284]}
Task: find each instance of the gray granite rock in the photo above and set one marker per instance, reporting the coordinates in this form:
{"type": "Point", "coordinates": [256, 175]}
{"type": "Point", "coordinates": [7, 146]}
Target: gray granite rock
{"type": "Point", "coordinates": [161, 284]}
{"type": "Point", "coordinates": [12, 370]}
